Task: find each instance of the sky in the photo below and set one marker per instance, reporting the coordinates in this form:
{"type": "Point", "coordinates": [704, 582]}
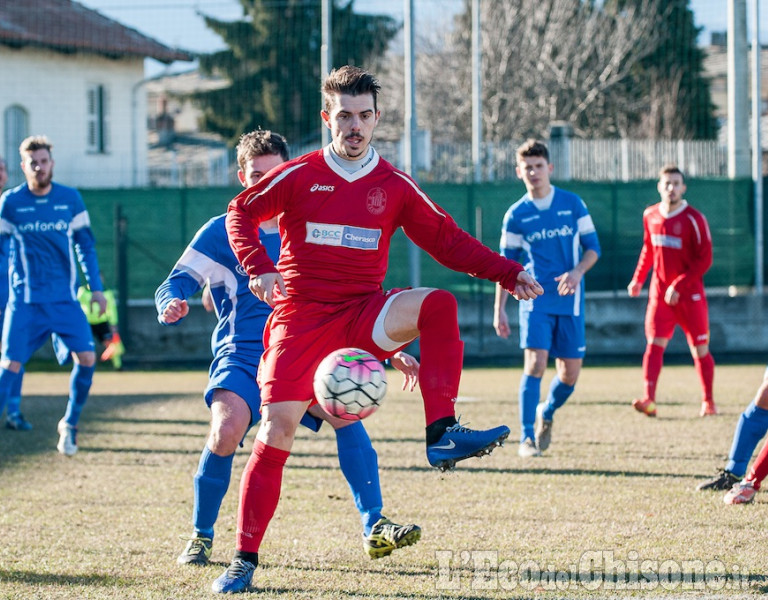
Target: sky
{"type": "Point", "coordinates": [177, 23]}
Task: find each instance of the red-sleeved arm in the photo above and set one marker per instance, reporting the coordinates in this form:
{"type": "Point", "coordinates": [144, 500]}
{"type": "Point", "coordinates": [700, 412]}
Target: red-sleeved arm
{"type": "Point", "coordinates": [699, 253]}
{"type": "Point", "coordinates": [433, 230]}
{"type": "Point", "coordinates": [245, 212]}
{"type": "Point", "coordinates": [645, 261]}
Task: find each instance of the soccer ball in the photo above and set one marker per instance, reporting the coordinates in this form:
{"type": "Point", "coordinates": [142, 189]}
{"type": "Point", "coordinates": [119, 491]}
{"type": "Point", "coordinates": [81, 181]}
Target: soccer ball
{"type": "Point", "coordinates": [350, 384]}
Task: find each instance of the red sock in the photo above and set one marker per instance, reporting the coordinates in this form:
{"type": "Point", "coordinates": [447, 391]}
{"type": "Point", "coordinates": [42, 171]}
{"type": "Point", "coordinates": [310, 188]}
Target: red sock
{"type": "Point", "coordinates": [442, 355]}
{"type": "Point", "coordinates": [653, 359]}
{"type": "Point", "coordinates": [759, 468]}
{"type": "Point", "coordinates": [259, 494]}
{"type": "Point", "coordinates": [705, 367]}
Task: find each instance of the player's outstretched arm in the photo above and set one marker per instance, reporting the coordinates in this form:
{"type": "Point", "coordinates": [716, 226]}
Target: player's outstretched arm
{"type": "Point", "coordinates": [527, 288]}
{"type": "Point", "coordinates": [408, 366]}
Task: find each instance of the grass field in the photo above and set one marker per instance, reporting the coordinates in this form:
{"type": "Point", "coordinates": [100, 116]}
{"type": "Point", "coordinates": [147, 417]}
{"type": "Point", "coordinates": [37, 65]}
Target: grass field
{"type": "Point", "coordinates": [612, 496]}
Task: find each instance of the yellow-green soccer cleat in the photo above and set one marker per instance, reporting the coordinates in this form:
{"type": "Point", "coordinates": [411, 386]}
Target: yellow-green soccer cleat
{"type": "Point", "coordinates": [386, 537]}
{"type": "Point", "coordinates": [197, 551]}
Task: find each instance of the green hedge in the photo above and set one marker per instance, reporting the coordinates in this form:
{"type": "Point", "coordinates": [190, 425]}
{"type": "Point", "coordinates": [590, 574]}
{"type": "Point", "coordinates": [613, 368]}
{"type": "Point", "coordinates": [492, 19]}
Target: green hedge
{"type": "Point", "coordinates": [162, 221]}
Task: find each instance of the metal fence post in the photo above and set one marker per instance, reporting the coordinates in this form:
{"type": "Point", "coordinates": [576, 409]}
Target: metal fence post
{"type": "Point", "coordinates": [121, 272]}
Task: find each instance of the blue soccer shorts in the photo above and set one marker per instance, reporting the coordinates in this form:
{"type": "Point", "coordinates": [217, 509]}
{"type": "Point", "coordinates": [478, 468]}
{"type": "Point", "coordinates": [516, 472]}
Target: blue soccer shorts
{"type": "Point", "coordinates": [563, 336]}
{"type": "Point", "coordinates": [237, 374]}
{"type": "Point", "coordinates": [27, 326]}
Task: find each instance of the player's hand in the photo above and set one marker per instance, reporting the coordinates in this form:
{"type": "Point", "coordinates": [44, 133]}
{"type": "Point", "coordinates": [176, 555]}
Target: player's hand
{"type": "Point", "coordinates": [568, 282]}
{"type": "Point", "coordinates": [263, 287]}
{"type": "Point", "coordinates": [408, 366]}
{"type": "Point", "coordinates": [100, 299]}
{"type": "Point", "coordinates": [527, 288]}
{"type": "Point", "coordinates": [671, 296]}
{"type": "Point", "coordinates": [634, 287]}
{"type": "Point", "coordinates": [501, 323]}
{"type": "Point", "coordinates": [176, 309]}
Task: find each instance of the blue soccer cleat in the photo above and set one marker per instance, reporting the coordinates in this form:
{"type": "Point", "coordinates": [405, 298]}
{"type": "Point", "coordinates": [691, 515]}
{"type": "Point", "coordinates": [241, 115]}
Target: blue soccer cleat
{"type": "Point", "coordinates": [236, 579]}
{"type": "Point", "coordinates": [459, 442]}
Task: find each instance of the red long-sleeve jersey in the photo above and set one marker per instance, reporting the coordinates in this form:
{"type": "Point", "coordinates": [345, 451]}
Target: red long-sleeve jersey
{"type": "Point", "coordinates": [679, 248]}
{"type": "Point", "coordinates": [336, 228]}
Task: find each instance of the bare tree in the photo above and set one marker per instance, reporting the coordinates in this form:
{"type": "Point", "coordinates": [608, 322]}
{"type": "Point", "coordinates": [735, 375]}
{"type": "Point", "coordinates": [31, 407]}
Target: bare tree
{"type": "Point", "coordinates": [543, 60]}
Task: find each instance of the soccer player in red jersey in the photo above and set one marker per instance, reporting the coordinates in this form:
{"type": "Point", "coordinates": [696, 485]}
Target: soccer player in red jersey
{"type": "Point", "coordinates": [338, 209]}
{"type": "Point", "coordinates": [677, 244]}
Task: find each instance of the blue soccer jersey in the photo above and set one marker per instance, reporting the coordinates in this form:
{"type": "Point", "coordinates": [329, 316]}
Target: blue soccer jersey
{"type": "Point", "coordinates": [49, 235]}
{"type": "Point", "coordinates": [241, 315]}
{"type": "Point", "coordinates": [550, 242]}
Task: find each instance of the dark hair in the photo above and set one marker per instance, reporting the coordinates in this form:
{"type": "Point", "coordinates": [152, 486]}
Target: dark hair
{"type": "Point", "coordinates": [350, 80]}
{"type": "Point", "coordinates": [35, 142]}
{"type": "Point", "coordinates": [532, 147]}
{"type": "Point", "coordinates": [671, 169]}
{"type": "Point", "coordinates": [259, 143]}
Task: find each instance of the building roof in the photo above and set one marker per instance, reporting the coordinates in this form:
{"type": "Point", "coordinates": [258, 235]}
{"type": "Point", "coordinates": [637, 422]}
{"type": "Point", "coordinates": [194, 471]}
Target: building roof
{"type": "Point", "coordinates": [67, 26]}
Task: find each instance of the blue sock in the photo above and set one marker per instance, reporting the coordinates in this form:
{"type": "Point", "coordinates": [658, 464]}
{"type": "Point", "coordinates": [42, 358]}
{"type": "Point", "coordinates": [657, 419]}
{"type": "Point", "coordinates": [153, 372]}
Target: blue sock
{"type": "Point", "coordinates": [14, 399]}
{"type": "Point", "coordinates": [530, 392]}
{"type": "Point", "coordinates": [558, 394]}
{"type": "Point", "coordinates": [8, 382]}
{"type": "Point", "coordinates": [752, 426]}
{"type": "Point", "coordinates": [79, 385]}
{"type": "Point", "coordinates": [211, 483]}
{"type": "Point", "coordinates": [360, 465]}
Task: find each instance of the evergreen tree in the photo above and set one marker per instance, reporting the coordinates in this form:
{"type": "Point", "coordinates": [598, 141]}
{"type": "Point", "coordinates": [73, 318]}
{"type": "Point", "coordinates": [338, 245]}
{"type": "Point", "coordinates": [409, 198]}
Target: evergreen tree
{"type": "Point", "coordinates": [669, 90]}
{"type": "Point", "coordinates": [273, 65]}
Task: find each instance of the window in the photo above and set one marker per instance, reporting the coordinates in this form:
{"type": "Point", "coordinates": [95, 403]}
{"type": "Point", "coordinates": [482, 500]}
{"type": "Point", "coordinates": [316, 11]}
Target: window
{"type": "Point", "coordinates": [16, 121]}
{"type": "Point", "coordinates": [98, 119]}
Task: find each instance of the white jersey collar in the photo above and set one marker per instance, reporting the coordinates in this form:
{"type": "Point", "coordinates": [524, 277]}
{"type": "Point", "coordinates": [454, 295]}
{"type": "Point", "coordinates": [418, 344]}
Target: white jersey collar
{"type": "Point", "coordinates": [674, 213]}
{"type": "Point", "coordinates": [369, 164]}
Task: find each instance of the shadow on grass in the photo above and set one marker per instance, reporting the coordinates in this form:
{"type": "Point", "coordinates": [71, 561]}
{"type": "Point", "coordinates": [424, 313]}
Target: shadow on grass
{"type": "Point", "coordinates": [135, 421]}
{"type": "Point", "coordinates": [50, 579]}
{"type": "Point", "coordinates": [44, 412]}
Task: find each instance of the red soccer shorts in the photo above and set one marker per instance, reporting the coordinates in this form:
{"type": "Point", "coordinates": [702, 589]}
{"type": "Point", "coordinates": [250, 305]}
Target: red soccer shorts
{"type": "Point", "coordinates": [300, 334]}
{"type": "Point", "coordinates": [692, 314]}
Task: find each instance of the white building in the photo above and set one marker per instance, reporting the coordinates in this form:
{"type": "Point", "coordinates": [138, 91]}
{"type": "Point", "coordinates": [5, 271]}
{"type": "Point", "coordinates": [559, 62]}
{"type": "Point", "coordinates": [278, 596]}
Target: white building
{"type": "Point", "coordinates": [78, 77]}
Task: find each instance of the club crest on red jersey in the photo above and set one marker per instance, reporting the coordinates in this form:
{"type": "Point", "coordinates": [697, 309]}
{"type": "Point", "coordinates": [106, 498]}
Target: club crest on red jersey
{"type": "Point", "coordinates": [376, 201]}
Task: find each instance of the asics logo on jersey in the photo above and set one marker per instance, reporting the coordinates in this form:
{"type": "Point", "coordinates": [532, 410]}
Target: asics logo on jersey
{"type": "Point", "coordinates": [42, 227]}
{"type": "Point", "coordinates": [324, 234]}
{"type": "Point", "coordinates": [240, 270]}
{"type": "Point", "coordinates": [321, 188]}
{"type": "Point", "coordinates": [548, 234]}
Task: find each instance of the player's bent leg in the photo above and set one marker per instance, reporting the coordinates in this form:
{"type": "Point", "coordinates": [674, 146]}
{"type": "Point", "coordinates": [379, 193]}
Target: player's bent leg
{"type": "Point", "coordinates": [433, 315]}
{"type": "Point", "coordinates": [230, 419]}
